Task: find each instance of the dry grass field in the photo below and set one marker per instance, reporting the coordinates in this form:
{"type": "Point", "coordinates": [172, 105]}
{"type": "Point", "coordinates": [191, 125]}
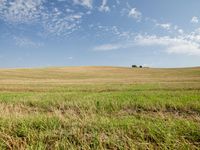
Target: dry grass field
{"type": "Point", "coordinates": [99, 108]}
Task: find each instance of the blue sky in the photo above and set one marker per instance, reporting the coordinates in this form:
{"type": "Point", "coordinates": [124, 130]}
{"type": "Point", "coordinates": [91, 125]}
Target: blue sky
{"type": "Point", "coordinates": [156, 33]}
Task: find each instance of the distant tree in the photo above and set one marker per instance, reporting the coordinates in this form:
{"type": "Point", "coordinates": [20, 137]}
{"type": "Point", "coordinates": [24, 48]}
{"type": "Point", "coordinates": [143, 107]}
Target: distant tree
{"type": "Point", "coordinates": [141, 67]}
{"type": "Point", "coordinates": [134, 66]}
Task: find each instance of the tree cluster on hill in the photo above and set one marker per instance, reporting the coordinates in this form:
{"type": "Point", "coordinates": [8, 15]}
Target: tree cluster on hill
{"type": "Point", "coordinates": [135, 66]}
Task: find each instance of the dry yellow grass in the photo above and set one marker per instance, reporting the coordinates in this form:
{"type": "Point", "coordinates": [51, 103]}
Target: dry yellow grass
{"type": "Point", "coordinates": [73, 75]}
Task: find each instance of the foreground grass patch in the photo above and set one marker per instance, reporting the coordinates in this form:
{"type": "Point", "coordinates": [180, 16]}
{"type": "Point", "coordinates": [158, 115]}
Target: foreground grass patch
{"type": "Point", "coordinates": [42, 132]}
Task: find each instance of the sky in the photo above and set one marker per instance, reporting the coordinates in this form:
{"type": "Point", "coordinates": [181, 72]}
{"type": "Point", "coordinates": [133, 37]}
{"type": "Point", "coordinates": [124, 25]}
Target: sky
{"type": "Point", "coordinates": [43, 33]}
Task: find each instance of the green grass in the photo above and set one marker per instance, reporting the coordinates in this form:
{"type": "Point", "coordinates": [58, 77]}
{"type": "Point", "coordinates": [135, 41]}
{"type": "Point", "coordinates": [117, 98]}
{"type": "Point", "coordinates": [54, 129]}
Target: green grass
{"type": "Point", "coordinates": [100, 108]}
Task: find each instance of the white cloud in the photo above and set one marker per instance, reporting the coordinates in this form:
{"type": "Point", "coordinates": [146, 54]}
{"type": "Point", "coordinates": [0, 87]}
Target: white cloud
{"type": "Point", "coordinates": [26, 42]}
{"type": "Point", "coordinates": [176, 45]}
{"type": "Point", "coordinates": [52, 20]}
{"type": "Point", "coordinates": [184, 44]}
{"type": "Point", "coordinates": [104, 6]}
{"type": "Point", "coordinates": [180, 31]}
{"type": "Point", "coordinates": [194, 19]}
{"type": "Point", "coordinates": [113, 31]}
{"type": "Point", "coordinates": [86, 3]}
{"type": "Point", "coordinates": [2, 4]}
{"type": "Point", "coordinates": [166, 26]}
{"type": "Point", "coordinates": [57, 24]}
{"type": "Point", "coordinates": [20, 10]}
{"type": "Point", "coordinates": [107, 47]}
{"type": "Point", "coordinates": [70, 58]}
{"type": "Point", "coordinates": [134, 13]}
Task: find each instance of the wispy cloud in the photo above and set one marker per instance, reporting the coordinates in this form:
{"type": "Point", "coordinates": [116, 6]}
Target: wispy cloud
{"type": "Point", "coordinates": [26, 42]}
{"type": "Point", "coordinates": [173, 28]}
{"type": "Point", "coordinates": [113, 31]}
{"type": "Point", "coordinates": [180, 31]}
{"type": "Point", "coordinates": [86, 3]}
{"type": "Point", "coordinates": [187, 44]}
{"type": "Point", "coordinates": [134, 13]}
{"type": "Point", "coordinates": [58, 23]}
{"type": "Point", "coordinates": [107, 47]}
{"type": "Point", "coordinates": [176, 45]}
{"type": "Point", "coordinates": [166, 26]}
{"type": "Point", "coordinates": [70, 58]}
{"type": "Point", "coordinates": [21, 11]}
{"type": "Point", "coordinates": [53, 20]}
{"type": "Point", "coordinates": [194, 19]}
{"type": "Point", "coordinates": [104, 7]}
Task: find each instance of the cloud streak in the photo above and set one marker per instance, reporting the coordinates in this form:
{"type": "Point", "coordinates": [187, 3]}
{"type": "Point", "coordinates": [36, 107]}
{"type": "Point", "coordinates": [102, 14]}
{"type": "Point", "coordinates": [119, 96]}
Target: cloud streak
{"type": "Point", "coordinates": [107, 47]}
{"type": "Point", "coordinates": [166, 26]}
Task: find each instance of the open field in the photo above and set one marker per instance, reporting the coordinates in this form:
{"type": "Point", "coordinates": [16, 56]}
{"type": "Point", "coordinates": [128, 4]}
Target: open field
{"type": "Point", "coordinates": [100, 108]}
